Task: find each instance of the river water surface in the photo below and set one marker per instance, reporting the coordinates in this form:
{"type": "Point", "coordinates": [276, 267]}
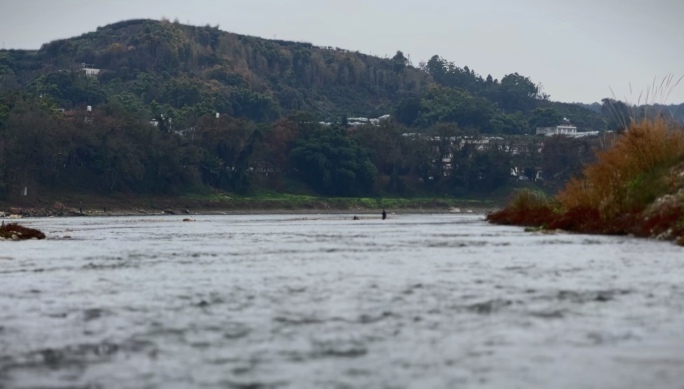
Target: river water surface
{"type": "Point", "coordinates": [322, 301]}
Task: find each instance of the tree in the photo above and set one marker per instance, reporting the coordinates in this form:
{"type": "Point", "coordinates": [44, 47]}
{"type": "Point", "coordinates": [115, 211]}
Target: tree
{"type": "Point", "coordinates": [333, 164]}
{"type": "Point", "coordinates": [492, 170]}
{"type": "Point", "coordinates": [399, 61]}
{"type": "Point", "coordinates": [517, 93]}
{"type": "Point", "coordinates": [279, 141]}
{"type": "Point", "coordinates": [408, 109]}
{"type": "Point", "coordinates": [545, 117]}
{"type": "Point", "coordinates": [26, 137]}
{"type": "Point", "coordinates": [585, 117]}
{"type": "Point", "coordinates": [454, 105]}
{"type": "Point", "coordinates": [70, 88]}
{"type": "Point", "coordinates": [227, 146]}
{"type": "Point", "coordinates": [389, 150]}
{"type": "Point", "coordinates": [515, 124]}
{"type": "Point", "coordinates": [436, 67]}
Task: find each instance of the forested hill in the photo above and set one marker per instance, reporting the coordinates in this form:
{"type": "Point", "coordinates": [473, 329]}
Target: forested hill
{"type": "Point", "coordinates": [148, 68]}
{"type": "Point", "coordinates": [197, 70]}
{"type": "Point", "coordinates": [156, 107]}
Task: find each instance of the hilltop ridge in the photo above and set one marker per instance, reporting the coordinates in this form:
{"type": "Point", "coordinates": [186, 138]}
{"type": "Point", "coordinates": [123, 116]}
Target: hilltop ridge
{"type": "Point", "coordinates": [190, 69]}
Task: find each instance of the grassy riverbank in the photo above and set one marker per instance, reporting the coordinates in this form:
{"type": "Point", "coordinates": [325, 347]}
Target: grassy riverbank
{"type": "Point", "coordinates": [635, 187]}
{"type": "Point", "coordinates": [270, 200]}
{"type": "Point", "coordinates": [222, 202]}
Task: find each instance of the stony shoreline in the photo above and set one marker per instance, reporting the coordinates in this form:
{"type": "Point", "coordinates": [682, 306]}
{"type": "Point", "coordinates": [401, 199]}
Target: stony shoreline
{"type": "Point", "coordinates": [29, 212]}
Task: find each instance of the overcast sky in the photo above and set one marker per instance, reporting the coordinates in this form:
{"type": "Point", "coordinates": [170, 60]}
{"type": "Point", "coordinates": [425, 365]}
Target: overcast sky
{"type": "Point", "coordinates": [577, 49]}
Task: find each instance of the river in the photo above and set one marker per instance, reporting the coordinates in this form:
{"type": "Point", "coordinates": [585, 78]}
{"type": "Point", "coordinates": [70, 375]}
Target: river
{"type": "Point", "coordinates": [324, 301]}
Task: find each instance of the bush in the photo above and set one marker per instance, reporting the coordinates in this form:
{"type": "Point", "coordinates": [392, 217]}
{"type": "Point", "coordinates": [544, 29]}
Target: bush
{"type": "Point", "coordinates": [635, 187]}
{"type": "Point", "coordinates": [528, 208]}
{"type": "Point", "coordinates": [627, 177]}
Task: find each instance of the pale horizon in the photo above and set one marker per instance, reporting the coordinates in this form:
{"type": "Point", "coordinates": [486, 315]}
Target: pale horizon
{"type": "Point", "coordinates": [579, 51]}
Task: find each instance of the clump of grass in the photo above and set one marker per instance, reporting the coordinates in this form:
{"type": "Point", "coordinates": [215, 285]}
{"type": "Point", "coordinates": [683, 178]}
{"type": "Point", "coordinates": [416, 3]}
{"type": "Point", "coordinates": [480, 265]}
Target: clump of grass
{"type": "Point", "coordinates": [627, 177]}
{"type": "Point", "coordinates": [635, 187]}
{"type": "Point", "coordinates": [528, 208]}
{"type": "Point", "coordinates": [14, 231]}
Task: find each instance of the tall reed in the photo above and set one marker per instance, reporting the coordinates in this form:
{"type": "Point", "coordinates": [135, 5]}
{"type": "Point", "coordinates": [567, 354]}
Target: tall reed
{"type": "Point", "coordinates": [630, 174]}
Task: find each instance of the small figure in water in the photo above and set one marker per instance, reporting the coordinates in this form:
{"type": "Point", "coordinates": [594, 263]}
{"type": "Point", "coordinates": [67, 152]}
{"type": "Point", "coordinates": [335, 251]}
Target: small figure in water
{"type": "Point", "coordinates": [356, 218]}
{"type": "Point", "coordinates": [384, 215]}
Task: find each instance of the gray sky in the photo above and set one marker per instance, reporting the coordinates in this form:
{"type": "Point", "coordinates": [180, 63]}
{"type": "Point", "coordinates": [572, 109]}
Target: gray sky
{"type": "Point", "coordinates": [578, 49]}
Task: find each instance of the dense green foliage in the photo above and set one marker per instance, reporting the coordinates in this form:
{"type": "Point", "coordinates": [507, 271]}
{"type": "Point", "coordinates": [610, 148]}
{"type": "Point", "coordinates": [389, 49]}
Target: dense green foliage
{"type": "Point", "coordinates": [178, 108]}
{"type": "Point", "coordinates": [333, 163]}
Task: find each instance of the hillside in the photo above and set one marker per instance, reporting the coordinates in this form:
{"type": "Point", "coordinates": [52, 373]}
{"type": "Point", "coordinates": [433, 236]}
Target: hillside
{"type": "Point", "coordinates": [159, 67]}
{"type": "Point", "coordinates": [155, 107]}
{"type": "Point", "coordinates": [188, 70]}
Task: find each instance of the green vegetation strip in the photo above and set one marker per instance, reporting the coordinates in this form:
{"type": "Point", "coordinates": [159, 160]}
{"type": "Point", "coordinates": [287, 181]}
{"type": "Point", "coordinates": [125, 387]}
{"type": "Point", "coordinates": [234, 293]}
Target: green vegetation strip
{"type": "Point", "coordinates": [272, 200]}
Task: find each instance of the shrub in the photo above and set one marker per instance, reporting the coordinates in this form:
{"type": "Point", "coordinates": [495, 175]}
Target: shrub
{"type": "Point", "coordinates": [528, 208]}
{"type": "Point", "coordinates": [635, 187]}
{"type": "Point", "coordinates": [627, 177]}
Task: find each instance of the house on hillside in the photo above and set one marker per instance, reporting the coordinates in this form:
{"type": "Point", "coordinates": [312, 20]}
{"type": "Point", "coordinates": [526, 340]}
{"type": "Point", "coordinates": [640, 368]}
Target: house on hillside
{"type": "Point", "coordinates": [89, 70]}
{"type": "Point", "coordinates": [78, 114]}
{"type": "Point", "coordinates": [562, 129]}
{"type": "Point", "coordinates": [359, 121]}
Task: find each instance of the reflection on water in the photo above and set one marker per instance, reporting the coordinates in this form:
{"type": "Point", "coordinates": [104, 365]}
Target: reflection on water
{"type": "Point", "coordinates": [324, 301]}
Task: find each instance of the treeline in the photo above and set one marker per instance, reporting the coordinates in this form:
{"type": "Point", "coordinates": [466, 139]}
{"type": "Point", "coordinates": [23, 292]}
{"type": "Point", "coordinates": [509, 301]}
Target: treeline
{"type": "Point", "coordinates": [109, 150]}
{"type": "Point", "coordinates": [177, 108]}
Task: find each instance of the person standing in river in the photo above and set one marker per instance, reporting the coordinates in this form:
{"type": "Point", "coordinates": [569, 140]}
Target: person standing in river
{"type": "Point", "coordinates": [384, 215]}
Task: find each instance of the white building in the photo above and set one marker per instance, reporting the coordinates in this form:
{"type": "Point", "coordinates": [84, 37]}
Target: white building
{"type": "Point", "coordinates": [562, 129]}
{"type": "Point", "coordinates": [89, 70]}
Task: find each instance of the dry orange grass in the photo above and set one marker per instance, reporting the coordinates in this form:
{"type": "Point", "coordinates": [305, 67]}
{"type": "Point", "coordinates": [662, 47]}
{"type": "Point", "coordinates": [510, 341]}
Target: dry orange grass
{"type": "Point", "coordinates": [527, 208]}
{"type": "Point", "coordinates": [627, 176]}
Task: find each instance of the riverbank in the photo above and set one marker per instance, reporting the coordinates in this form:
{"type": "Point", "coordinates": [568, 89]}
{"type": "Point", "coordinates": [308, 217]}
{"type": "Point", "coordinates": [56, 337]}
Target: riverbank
{"type": "Point", "coordinates": [636, 187]}
{"type": "Point", "coordinates": [87, 205]}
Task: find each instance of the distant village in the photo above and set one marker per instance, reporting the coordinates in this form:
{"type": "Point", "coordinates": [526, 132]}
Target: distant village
{"type": "Point", "coordinates": [481, 143]}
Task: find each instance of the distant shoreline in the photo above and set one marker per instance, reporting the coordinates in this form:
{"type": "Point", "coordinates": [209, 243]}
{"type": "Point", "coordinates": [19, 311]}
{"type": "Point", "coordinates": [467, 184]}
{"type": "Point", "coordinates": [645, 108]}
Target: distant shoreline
{"type": "Point", "coordinates": [98, 207]}
{"type": "Point", "coordinates": [213, 212]}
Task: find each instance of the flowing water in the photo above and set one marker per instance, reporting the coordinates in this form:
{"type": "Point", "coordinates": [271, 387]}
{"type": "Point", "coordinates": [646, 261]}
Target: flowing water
{"type": "Point", "coordinates": [323, 301]}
